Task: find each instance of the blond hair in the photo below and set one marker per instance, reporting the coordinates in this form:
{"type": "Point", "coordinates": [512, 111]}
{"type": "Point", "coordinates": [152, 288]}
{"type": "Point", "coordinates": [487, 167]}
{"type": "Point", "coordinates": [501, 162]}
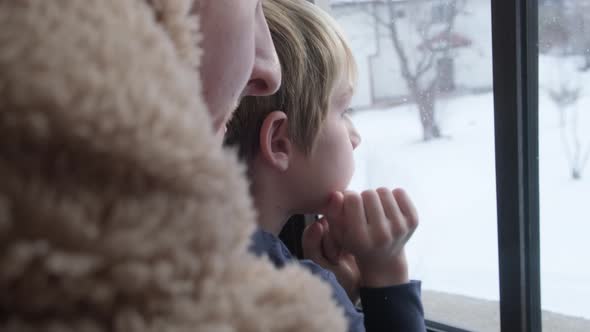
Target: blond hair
{"type": "Point", "coordinates": [313, 54]}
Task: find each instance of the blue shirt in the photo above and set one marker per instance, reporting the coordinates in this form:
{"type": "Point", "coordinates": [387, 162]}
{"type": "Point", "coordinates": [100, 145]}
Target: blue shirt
{"type": "Point", "coordinates": [395, 308]}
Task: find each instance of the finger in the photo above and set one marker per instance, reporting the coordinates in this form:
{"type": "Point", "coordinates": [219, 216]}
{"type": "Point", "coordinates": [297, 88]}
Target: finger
{"type": "Point", "coordinates": [311, 241]}
{"type": "Point", "coordinates": [342, 254]}
{"type": "Point", "coordinates": [407, 207]}
{"type": "Point", "coordinates": [372, 206]}
{"type": "Point", "coordinates": [410, 214]}
{"type": "Point", "coordinates": [390, 206]}
{"type": "Point", "coordinates": [398, 232]}
{"type": "Point", "coordinates": [325, 224]}
{"type": "Point", "coordinates": [334, 206]}
{"type": "Point", "coordinates": [379, 225]}
{"type": "Point", "coordinates": [396, 219]}
{"type": "Point", "coordinates": [330, 249]}
{"type": "Point", "coordinates": [333, 215]}
{"type": "Point", "coordinates": [354, 223]}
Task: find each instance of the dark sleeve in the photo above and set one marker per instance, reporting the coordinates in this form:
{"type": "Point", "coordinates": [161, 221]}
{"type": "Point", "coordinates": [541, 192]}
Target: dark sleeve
{"type": "Point", "coordinates": [395, 308]}
{"type": "Point", "coordinates": [353, 315]}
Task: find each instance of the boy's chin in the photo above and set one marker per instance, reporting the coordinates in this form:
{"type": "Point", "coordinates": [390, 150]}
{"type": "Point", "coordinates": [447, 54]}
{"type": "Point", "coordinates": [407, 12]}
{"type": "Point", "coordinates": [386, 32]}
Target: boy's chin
{"type": "Point", "coordinates": [316, 205]}
{"type": "Point", "coordinates": [318, 201]}
{"type": "Point", "coordinates": [342, 187]}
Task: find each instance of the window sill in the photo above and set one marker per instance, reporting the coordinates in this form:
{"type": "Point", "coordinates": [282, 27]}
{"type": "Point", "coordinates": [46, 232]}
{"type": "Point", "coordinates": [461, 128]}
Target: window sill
{"type": "Point", "coordinates": [482, 315]}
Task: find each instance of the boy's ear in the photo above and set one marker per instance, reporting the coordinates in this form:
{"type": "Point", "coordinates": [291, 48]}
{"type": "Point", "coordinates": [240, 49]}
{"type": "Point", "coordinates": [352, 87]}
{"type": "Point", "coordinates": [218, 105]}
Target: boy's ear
{"type": "Point", "coordinates": [275, 145]}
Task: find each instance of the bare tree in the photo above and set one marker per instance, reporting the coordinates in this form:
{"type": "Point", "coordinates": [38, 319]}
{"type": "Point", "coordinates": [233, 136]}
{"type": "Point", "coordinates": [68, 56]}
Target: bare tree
{"type": "Point", "coordinates": [554, 34]}
{"type": "Point", "coordinates": [586, 65]}
{"type": "Point", "coordinates": [564, 29]}
{"type": "Point", "coordinates": [565, 95]}
{"type": "Point", "coordinates": [421, 75]}
{"type": "Point", "coordinates": [577, 154]}
{"type": "Point", "coordinates": [583, 11]}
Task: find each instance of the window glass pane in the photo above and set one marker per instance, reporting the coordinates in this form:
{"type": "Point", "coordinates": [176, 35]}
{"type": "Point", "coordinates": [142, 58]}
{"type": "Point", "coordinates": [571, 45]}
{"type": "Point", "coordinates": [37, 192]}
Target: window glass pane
{"type": "Point", "coordinates": [424, 108]}
{"type": "Point", "coordinates": [564, 173]}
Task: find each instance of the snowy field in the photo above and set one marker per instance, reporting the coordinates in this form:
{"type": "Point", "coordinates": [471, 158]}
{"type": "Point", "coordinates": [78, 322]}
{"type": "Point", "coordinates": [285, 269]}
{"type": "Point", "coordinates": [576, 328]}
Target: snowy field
{"type": "Point", "coordinates": [452, 182]}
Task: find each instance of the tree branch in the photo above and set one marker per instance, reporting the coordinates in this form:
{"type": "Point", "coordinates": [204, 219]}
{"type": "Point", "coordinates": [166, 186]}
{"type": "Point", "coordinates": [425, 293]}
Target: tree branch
{"type": "Point", "coordinates": [398, 46]}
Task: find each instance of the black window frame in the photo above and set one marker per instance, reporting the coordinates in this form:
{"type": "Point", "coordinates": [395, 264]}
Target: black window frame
{"type": "Point", "coordinates": [516, 88]}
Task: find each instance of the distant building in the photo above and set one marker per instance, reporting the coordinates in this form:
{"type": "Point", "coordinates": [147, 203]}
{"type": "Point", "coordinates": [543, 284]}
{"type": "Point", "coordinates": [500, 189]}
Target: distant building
{"type": "Point", "coordinates": [465, 68]}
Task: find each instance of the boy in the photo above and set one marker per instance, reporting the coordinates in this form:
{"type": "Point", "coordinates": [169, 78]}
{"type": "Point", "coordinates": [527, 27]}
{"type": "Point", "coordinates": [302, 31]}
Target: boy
{"type": "Point", "coordinates": [298, 146]}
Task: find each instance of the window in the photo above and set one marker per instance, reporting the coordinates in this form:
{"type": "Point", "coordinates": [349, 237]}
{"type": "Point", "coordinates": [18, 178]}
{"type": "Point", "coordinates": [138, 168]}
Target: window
{"type": "Point", "coordinates": [538, 172]}
{"type": "Point", "coordinates": [564, 153]}
{"type": "Point", "coordinates": [424, 109]}
{"type": "Point", "coordinates": [441, 12]}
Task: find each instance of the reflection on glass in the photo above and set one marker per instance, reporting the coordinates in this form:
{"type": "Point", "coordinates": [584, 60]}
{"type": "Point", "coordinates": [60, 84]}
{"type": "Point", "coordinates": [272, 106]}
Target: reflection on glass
{"type": "Point", "coordinates": [564, 152]}
{"type": "Point", "coordinates": [424, 108]}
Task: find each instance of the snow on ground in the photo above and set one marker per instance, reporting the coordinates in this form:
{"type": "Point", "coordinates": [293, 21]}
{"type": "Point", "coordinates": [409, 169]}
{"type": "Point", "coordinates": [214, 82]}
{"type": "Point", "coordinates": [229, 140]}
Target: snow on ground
{"type": "Point", "coordinates": [452, 183]}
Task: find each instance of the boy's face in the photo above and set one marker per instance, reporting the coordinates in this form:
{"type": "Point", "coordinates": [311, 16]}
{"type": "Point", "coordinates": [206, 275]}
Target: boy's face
{"type": "Point", "coordinates": [239, 57]}
{"type": "Point", "coordinates": [330, 164]}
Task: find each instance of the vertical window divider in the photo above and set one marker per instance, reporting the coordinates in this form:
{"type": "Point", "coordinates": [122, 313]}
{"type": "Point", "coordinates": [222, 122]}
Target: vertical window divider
{"type": "Point", "coordinates": [515, 69]}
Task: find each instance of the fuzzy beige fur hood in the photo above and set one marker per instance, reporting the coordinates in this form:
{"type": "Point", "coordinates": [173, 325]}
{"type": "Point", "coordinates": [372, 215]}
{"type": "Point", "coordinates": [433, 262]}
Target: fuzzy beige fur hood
{"type": "Point", "coordinates": [119, 210]}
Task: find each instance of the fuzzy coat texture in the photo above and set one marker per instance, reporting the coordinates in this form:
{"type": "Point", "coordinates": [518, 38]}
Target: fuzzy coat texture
{"type": "Point", "coordinates": [119, 210]}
